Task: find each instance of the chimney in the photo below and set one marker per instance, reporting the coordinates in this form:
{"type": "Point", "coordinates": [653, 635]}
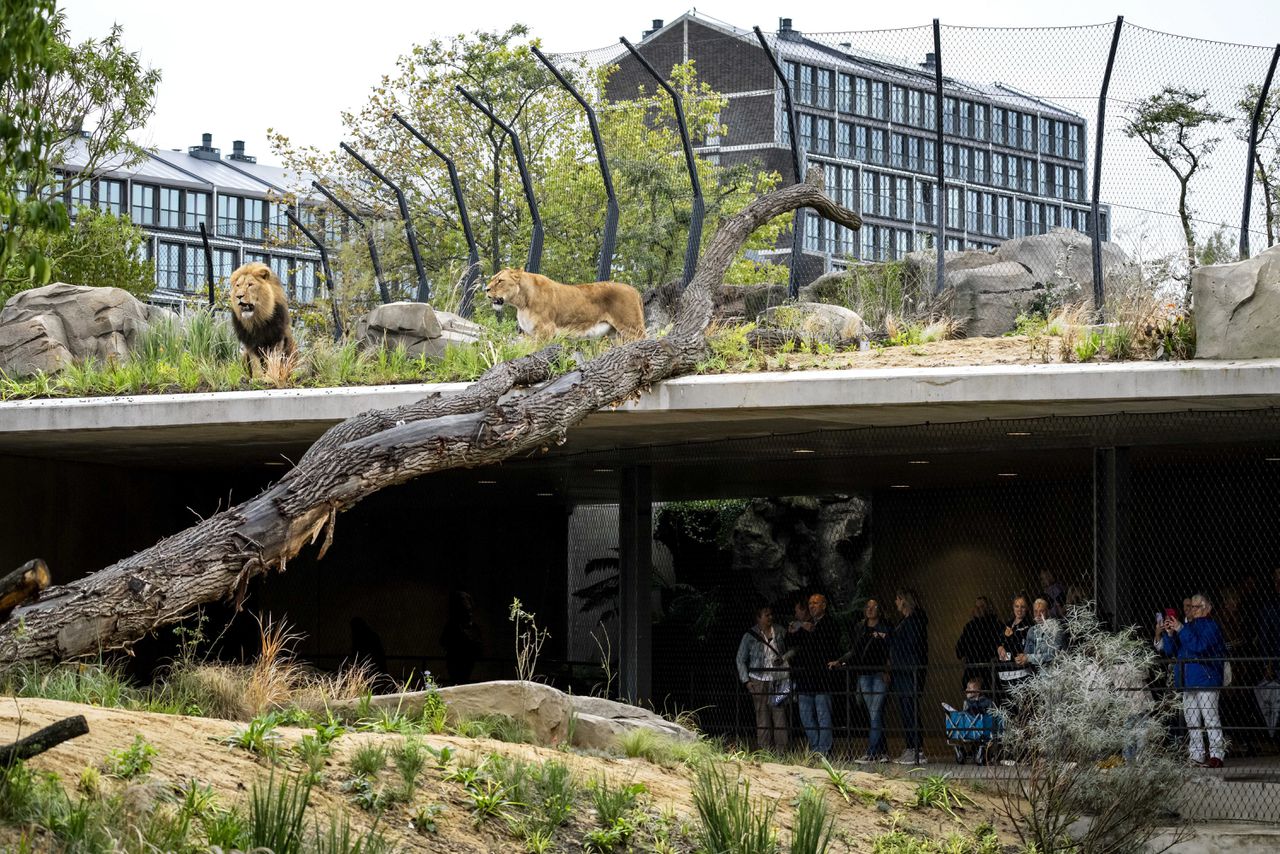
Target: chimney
{"type": "Point", "coordinates": [930, 61]}
{"type": "Point", "coordinates": [657, 25]}
{"type": "Point", "coordinates": [237, 152]}
{"type": "Point", "coordinates": [786, 32]}
{"type": "Point", "coordinates": [205, 150]}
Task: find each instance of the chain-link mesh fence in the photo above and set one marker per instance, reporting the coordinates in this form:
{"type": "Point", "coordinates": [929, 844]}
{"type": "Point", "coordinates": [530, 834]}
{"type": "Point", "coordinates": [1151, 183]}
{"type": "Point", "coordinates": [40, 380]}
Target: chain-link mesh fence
{"type": "Point", "coordinates": [975, 522]}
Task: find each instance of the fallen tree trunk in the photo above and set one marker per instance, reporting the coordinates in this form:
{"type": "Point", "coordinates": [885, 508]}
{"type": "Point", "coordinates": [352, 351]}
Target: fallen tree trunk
{"type": "Point", "coordinates": [22, 584]}
{"type": "Point", "coordinates": [44, 739]}
{"type": "Point", "coordinates": [216, 558]}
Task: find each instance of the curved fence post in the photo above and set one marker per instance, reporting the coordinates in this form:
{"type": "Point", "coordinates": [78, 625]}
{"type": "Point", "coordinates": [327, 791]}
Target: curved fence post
{"type": "Point", "coordinates": [535, 242]}
{"type": "Point", "coordinates": [424, 289]}
{"type": "Point", "coordinates": [473, 256]}
{"type": "Point", "coordinates": [328, 274]}
{"type": "Point", "coordinates": [605, 267]}
{"type": "Point", "coordinates": [383, 291]}
{"type": "Point", "coordinates": [1095, 221]}
{"type": "Point", "coordinates": [940, 204]}
{"type": "Point", "coordinates": [1253, 154]}
{"type": "Point", "coordinates": [693, 243]}
{"type": "Point", "coordinates": [208, 259]}
{"type": "Point", "coordinates": [797, 163]}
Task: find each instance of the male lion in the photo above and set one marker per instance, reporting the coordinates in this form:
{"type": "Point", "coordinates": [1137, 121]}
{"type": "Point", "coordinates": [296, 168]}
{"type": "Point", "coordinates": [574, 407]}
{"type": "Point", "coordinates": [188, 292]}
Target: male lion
{"type": "Point", "coordinates": [260, 314]}
{"type": "Point", "coordinates": [545, 308]}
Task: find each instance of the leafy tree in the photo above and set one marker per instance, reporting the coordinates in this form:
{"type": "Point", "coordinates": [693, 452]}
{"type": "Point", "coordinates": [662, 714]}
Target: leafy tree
{"type": "Point", "coordinates": [1266, 160]}
{"type": "Point", "coordinates": [27, 55]}
{"type": "Point", "coordinates": [95, 92]}
{"type": "Point", "coordinates": [500, 71]}
{"type": "Point", "coordinates": [1176, 124]}
{"type": "Point", "coordinates": [100, 250]}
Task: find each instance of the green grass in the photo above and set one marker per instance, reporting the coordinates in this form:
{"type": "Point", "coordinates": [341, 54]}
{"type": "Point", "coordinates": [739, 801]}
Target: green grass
{"type": "Point", "coordinates": [277, 810]}
{"type": "Point", "coordinates": [132, 761]}
{"type": "Point", "coordinates": [499, 727]}
{"type": "Point", "coordinates": [939, 790]}
{"type": "Point", "coordinates": [94, 683]}
{"type": "Point", "coordinates": [259, 737]}
{"type": "Point", "coordinates": [812, 825]}
{"type": "Point", "coordinates": [368, 760]}
{"type": "Point", "coordinates": [730, 821]}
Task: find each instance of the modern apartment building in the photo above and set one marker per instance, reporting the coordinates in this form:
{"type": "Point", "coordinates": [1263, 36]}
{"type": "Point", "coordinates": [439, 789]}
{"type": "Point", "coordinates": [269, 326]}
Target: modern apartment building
{"type": "Point", "coordinates": [238, 200]}
{"type": "Point", "coordinates": [1014, 164]}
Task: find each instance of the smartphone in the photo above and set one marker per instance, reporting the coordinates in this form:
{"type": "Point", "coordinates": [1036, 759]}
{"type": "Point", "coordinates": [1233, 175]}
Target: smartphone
{"type": "Point", "coordinates": [1171, 613]}
{"type": "Point", "coordinates": [1159, 618]}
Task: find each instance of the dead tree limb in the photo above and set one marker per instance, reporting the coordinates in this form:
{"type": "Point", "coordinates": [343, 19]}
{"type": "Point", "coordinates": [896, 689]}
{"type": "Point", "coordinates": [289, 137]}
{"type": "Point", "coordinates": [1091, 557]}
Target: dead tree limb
{"type": "Point", "coordinates": [216, 558]}
{"type": "Point", "coordinates": [22, 584]}
{"type": "Point", "coordinates": [41, 740]}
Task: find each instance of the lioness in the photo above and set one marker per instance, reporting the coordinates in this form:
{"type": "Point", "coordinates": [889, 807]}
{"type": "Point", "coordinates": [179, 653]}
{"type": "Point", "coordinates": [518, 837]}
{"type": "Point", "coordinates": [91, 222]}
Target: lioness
{"type": "Point", "coordinates": [545, 308]}
{"type": "Point", "coordinates": [260, 314]}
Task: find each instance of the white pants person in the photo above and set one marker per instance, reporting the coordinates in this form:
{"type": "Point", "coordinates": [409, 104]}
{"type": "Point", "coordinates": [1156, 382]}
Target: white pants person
{"type": "Point", "coordinates": [1201, 711]}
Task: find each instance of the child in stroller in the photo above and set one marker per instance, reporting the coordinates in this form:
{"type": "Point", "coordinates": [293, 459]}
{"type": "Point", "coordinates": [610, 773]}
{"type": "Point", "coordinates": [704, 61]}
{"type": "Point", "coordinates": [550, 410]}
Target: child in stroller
{"type": "Point", "coordinates": [970, 732]}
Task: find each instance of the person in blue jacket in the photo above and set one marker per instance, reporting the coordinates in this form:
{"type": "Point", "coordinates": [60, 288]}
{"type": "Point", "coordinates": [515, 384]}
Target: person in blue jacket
{"type": "Point", "coordinates": [1200, 650]}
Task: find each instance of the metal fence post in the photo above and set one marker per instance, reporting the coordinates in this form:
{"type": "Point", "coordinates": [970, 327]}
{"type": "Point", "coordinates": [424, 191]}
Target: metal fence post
{"type": "Point", "coordinates": [383, 291]}
{"type": "Point", "coordinates": [693, 243]}
{"type": "Point", "coordinates": [1253, 154]}
{"type": "Point", "coordinates": [605, 266]}
{"type": "Point", "coordinates": [473, 252]}
{"type": "Point", "coordinates": [208, 261]}
{"type": "Point", "coordinates": [424, 289]}
{"type": "Point", "coordinates": [1095, 220]}
{"type": "Point", "coordinates": [328, 274]}
{"type": "Point", "coordinates": [940, 206]}
{"type": "Point", "coordinates": [535, 242]}
{"type": "Point", "coordinates": [797, 163]}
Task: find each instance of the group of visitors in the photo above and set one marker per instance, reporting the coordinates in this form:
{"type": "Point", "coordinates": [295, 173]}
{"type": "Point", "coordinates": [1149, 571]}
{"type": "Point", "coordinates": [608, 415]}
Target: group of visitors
{"type": "Point", "coordinates": [884, 659]}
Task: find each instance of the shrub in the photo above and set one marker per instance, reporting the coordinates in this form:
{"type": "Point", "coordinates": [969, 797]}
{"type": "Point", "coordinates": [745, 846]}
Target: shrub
{"type": "Point", "coordinates": [132, 761]}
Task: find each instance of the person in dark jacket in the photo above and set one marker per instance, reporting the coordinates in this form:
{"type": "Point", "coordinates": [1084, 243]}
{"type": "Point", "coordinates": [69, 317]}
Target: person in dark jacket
{"type": "Point", "coordinates": [817, 643]}
{"type": "Point", "coordinates": [978, 641]}
{"type": "Point", "coordinates": [1200, 650]}
{"type": "Point", "coordinates": [869, 659]}
{"type": "Point", "coordinates": [1013, 643]}
{"type": "Point", "coordinates": [908, 656]}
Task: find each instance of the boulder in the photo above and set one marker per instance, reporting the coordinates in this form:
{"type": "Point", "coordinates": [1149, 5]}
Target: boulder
{"type": "Point", "coordinates": [1062, 261]}
{"type": "Point", "coordinates": [728, 302]}
{"type": "Point", "coordinates": [45, 329]}
{"type": "Point", "coordinates": [989, 299]}
{"type": "Point", "coordinates": [819, 321]}
{"type": "Point", "coordinates": [601, 723]}
{"type": "Point", "coordinates": [413, 325]}
{"type": "Point", "coordinates": [922, 265]}
{"type": "Point", "coordinates": [542, 707]}
{"type": "Point", "coordinates": [1237, 308]}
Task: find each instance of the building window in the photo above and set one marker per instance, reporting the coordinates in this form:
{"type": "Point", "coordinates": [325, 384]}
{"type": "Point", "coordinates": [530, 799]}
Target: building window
{"type": "Point", "coordinates": [224, 263]}
{"type": "Point", "coordinates": [870, 193]}
{"type": "Point", "coordinates": [886, 195]}
{"type": "Point", "coordinates": [930, 157]}
{"type": "Point", "coordinates": [196, 211]}
{"type": "Point", "coordinates": [1059, 181]}
{"type": "Point", "coordinates": [111, 196]}
{"type": "Point", "coordinates": [143, 208]}
{"type": "Point", "coordinates": [806, 131]}
{"type": "Point", "coordinates": [988, 213]}
{"type": "Point", "coordinates": [254, 218]}
{"type": "Point", "coordinates": [1052, 216]}
{"type": "Point", "coordinates": [930, 111]}
{"type": "Point", "coordinates": [948, 115]}
{"type": "Point", "coordinates": [966, 118]}
{"type": "Point", "coordinates": [862, 91]}
{"type": "Point", "coordinates": [279, 225]}
{"type": "Point", "coordinates": [169, 266]}
{"type": "Point", "coordinates": [333, 223]}
{"type": "Point", "coordinates": [913, 153]}
{"type": "Point", "coordinates": [1073, 142]}
{"type": "Point", "coordinates": [949, 159]}
{"type": "Point", "coordinates": [790, 68]}
{"type": "Point", "coordinates": [255, 257]}
{"type": "Point", "coordinates": [899, 115]}
{"type": "Point", "coordinates": [1073, 184]}
{"type": "Point", "coordinates": [229, 216]}
{"type": "Point", "coordinates": [193, 269]}
{"type": "Point", "coordinates": [877, 146]}
{"type": "Point", "coordinates": [1028, 132]}
{"type": "Point", "coordinates": [806, 84]}
{"type": "Point", "coordinates": [1036, 226]}
{"type": "Point", "coordinates": [170, 208]}
{"type": "Point", "coordinates": [1023, 217]}
{"type": "Point", "coordinates": [849, 188]}
{"type": "Point", "coordinates": [980, 121]}
{"type": "Point", "coordinates": [844, 142]}
{"type": "Point", "coordinates": [1059, 138]}
{"type": "Point", "coordinates": [954, 207]}
{"type": "Point", "coordinates": [1046, 136]}
{"type": "Point", "coordinates": [879, 99]}
{"type": "Point", "coordinates": [915, 108]}
{"type": "Point", "coordinates": [884, 244]}
{"type": "Point", "coordinates": [1002, 216]}
{"type": "Point", "coordinates": [824, 87]}
{"type": "Point", "coordinates": [901, 242]}
{"type": "Point", "coordinates": [997, 169]}
{"type": "Point", "coordinates": [844, 93]}
{"type": "Point", "coordinates": [902, 199]}
{"type": "Point", "coordinates": [860, 144]}
{"type": "Point", "coordinates": [898, 147]}
{"type": "Point", "coordinates": [1011, 129]}
{"type": "Point", "coordinates": [305, 275]}
{"type": "Point", "coordinates": [1013, 172]}
{"type": "Point", "coordinates": [963, 166]}
{"type": "Point", "coordinates": [868, 243]}
{"type": "Point", "coordinates": [980, 166]}
{"type": "Point", "coordinates": [972, 210]}
{"type": "Point", "coordinates": [81, 197]}
{"type": "Point", "coordinates": [823, 141]}
{"type": "Point", "coordinates": [1028, 175]}
{"type": "Point", "coordinates": [926, 193]}
{"type": "Point", "coordinates": [997, 125]}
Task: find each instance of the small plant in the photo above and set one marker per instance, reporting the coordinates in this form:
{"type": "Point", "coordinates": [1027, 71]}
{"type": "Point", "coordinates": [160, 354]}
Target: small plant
{"type": "Point", "coordinates": [196, 800]}
{"type": "Point", "coordinates": [368, 760]}
{"type": "Point", "coordinates": [839, 781]}
{"type": "Point", "coordinates": [812, 824]}
{"type": "Point", "coordinates": [435, 714]}
{"type": "Point", "coordinates": [612, 804]}
{"type": "Point", "coordinates": [729, 820]}
{"type": "Point", "coordinates": [529, 640]}
{"type": "Point", "coordinates": [227, 830]}
{"type": "Point", "coordinates": [259, 737]}
{"type": "Point", "coordinates": [338, 838]}
{"type": "Point", "coordinates": [423, 819]}
{"type": "Point", "coordinates": [490, 799]}
{"type": "Point", "coordinates": [409, 758]}
{"type": "Point", "coordinates": [1088, 346]}
{"type": "Point", "coordinates": [366, 795]}
{"type": "Point", "coordinates": [132, 761]}
{"type": "Point", "coordinates": [276, 811]}
{"type": "Point", "coordinates": [499, 727]}
{"type": "Point", "coordinates": [313, 752]}
{"type": "Point", "coordinates": [939, 790]}
{"type": "Point", "coordinates": [90, 781]}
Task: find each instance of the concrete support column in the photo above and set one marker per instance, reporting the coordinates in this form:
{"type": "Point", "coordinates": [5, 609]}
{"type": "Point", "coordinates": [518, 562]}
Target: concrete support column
{"type": "Point", "coordinates": [1112, 576]}
{"type": "Point", "coordinates": [635, 571]}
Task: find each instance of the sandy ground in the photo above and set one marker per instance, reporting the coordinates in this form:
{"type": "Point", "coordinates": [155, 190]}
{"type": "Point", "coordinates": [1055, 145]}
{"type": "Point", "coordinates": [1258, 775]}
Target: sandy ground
{"type": "Point", "coordinates": [189, 748]}
{"type": "Point", "coordinates": [959, 352]}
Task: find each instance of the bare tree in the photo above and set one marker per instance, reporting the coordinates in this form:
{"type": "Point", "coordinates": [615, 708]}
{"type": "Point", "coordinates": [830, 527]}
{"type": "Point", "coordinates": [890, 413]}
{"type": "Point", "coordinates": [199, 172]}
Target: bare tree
{"type": "Point", "coordinates": [1266, 157]}
{"type": "Point", "coordinates": [1175, 124]}
{"type": "Point", "coordinates": [216, 558]}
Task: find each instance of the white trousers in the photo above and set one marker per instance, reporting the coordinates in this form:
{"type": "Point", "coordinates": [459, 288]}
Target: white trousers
{"type": "Point", "coordinates": [1201, 710]}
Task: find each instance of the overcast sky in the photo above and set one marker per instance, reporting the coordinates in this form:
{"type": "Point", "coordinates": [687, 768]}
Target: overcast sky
{"type": "Point", "coordinates": [227, 64]}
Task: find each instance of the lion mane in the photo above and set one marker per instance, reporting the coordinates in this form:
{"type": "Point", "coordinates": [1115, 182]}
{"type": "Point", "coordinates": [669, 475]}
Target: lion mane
{"type": "Point", "coordinates": [545, 308]}
{"type": "Point", "coordinates": [260, 314]}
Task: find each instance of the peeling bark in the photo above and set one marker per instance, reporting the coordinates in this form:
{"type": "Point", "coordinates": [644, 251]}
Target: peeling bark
{"type": "Point", "coordinates": [216, 558]}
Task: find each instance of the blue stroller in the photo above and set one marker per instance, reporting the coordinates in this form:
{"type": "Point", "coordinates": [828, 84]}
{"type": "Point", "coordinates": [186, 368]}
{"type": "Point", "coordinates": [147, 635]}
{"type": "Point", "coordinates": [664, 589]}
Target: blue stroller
{"type": "Point", "coordinates": [971, 735]}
